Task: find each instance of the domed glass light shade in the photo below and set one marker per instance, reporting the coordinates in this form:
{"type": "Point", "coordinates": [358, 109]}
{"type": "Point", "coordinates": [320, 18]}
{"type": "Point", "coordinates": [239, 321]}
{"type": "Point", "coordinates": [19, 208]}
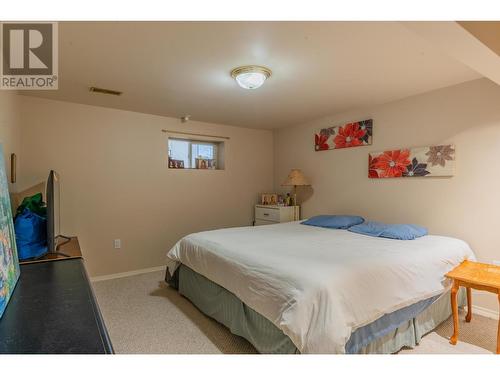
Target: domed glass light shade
{"type": "Point", "coordinates": [250, 77]}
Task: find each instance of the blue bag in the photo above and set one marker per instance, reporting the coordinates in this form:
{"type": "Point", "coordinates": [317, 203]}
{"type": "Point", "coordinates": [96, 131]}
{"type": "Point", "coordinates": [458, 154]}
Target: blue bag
{"type": "Point", "coordinates": [31, 235]}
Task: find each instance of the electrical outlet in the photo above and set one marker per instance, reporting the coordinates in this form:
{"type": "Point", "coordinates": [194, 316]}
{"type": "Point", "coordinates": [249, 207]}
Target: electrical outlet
{"type": "Point", "coordinates": [118, 243]}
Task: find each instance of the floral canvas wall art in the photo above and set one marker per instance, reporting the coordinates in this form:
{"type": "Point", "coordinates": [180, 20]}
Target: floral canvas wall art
{"type": "Point", "coordinates": [9, 264]}
{"type": "Point", "coordinates": [431, 161]}
{"type": "Point", "coordinates": [349, 135]}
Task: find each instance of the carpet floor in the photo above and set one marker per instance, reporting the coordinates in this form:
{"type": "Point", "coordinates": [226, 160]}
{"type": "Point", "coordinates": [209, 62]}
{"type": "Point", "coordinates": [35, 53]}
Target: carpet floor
{"type": "Point", "coordinates": [144, 315]}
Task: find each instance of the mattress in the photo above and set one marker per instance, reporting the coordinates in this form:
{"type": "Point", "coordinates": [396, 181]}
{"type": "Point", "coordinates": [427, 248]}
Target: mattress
{"type": "Point", "coordinates": [320, 285]}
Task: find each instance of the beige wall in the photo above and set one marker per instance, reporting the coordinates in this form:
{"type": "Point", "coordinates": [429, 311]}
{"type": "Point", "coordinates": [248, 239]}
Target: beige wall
{"type": "Point", "coordinates": [10, 129]}
{"type": "Point", "coordinates": [466, 206]}
{"type": "Point", "coordinates": [115, 182]}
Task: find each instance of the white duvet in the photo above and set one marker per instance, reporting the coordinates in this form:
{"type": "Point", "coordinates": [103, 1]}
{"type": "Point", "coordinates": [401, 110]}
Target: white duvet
{"type": "Point", "coordinates": [318, 285]}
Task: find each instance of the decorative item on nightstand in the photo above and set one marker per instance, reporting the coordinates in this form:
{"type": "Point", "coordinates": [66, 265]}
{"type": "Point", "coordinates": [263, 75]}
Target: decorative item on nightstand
{"type": "Point", "coordinates": [295, 178]}
{"type": "Point", "coordinates": [272, 214]}
{"type": "Point", "coordinates": [269, 199]}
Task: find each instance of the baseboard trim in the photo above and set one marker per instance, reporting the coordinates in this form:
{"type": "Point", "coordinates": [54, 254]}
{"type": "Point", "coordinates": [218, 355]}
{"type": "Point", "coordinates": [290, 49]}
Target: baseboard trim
{"type": "Point", "coordinates": [488, 313]}
{"type": "Point", "coordinates": [126, 274]}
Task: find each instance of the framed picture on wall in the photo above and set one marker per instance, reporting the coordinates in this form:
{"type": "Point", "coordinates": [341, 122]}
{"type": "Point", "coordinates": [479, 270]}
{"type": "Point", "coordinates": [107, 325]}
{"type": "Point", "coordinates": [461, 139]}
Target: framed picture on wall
{"type": "Point", "coordinates": [428, 161]}
{"type": "Point", "coordinates": [353, 134]}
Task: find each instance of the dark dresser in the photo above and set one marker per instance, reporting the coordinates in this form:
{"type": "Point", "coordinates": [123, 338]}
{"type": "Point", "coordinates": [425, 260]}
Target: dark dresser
{"type": "Point", "coordinates": [53, 310]}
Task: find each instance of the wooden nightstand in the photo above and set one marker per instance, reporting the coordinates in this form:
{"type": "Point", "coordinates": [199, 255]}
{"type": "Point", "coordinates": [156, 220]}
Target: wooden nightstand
{"type": "Point", "coordinates": [275, 214]}
{"type": "Point", "coordinates": [477, 276]}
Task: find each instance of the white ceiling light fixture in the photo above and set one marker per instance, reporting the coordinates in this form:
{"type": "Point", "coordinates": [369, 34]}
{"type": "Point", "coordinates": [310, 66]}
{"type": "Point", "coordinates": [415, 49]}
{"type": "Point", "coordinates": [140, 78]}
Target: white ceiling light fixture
{"type": "Point", "coordinates": [250, 77]}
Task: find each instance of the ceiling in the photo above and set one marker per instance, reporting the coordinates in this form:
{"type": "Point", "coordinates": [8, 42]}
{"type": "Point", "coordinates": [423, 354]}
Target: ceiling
{"type": "Point", "coordinates": [488, 32]}
{"type": "Point", "coordinates": [183, 68]}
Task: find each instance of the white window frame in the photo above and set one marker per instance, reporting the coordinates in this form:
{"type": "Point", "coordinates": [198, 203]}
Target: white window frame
{"type": "Point", "coordinates": [191, 157]}
{"type": "Point", "coordinates": [215, 146]}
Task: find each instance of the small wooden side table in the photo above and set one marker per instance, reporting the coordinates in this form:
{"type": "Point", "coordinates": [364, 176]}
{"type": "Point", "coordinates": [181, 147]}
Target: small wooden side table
{"type": "Point", "coordinates": [474, 275]}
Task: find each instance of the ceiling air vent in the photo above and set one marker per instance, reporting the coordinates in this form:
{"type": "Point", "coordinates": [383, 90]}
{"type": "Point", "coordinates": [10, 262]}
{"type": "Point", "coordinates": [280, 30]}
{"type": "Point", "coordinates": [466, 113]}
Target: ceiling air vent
{"type": "Point", "coordinates": [105, 91]}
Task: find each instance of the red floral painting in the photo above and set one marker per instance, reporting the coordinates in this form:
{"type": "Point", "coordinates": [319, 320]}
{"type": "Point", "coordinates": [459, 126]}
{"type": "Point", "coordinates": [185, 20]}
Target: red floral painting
{"type": "Point", "coordinates": [320, 141]}
{"type": "Point", "coordinates": [416, 162]}
{"type": "Point", "coordinates": [372, 171]}
{"type": "Point", "coordinates": [349, 135]}
{"type": "Point", "coordinates": [392, 163]}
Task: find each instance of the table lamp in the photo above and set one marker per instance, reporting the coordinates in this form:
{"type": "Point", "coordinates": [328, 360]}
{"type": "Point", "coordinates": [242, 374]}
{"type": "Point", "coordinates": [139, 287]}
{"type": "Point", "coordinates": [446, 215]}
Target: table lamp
{"type": "Point", "coordinates": [295, 178]}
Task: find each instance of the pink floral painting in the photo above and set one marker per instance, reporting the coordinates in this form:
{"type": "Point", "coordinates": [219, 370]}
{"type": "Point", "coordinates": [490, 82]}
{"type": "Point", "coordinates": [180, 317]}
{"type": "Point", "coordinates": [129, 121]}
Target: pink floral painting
{"type": "Point", "coordinates": [437, 161]}
{"type": "Point", "coordinates": [349, 135]}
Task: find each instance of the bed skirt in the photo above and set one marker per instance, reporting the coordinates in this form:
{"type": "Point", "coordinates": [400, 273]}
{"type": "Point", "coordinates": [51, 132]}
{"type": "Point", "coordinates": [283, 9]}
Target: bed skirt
{"type": "Point", "coordinates": [223, 306]}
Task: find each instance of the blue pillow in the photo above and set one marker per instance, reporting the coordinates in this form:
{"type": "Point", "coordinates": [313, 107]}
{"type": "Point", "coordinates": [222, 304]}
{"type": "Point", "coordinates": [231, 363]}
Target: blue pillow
{"type": "Point", "coordinates": [334, 221]}
{"type": "Point", "coordinates": [370, 228]}
{"type": "Point", "coordinates": [393, 231]}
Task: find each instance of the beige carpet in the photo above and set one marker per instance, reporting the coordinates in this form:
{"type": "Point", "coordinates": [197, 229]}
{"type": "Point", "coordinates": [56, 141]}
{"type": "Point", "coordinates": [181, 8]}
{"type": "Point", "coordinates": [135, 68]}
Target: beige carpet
{"type": "Point", "coordinates": [144, 315]}
{"type": "Point", "coordinates": [435, 344]}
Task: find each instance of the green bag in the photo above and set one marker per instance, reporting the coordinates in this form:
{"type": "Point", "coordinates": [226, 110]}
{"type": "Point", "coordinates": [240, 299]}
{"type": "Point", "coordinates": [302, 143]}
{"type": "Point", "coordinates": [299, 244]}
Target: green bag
{"type": "Point", "coordinates": [34, 204]}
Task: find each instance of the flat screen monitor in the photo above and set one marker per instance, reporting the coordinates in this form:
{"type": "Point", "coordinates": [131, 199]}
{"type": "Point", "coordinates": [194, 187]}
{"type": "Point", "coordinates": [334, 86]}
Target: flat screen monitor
{"type": "Point", "coordinates": [53, 211]}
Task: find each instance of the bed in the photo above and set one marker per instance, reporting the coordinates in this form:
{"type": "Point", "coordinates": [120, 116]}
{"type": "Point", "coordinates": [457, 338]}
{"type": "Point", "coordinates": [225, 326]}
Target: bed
{"type": "Point", "coordinates": [292, 288]}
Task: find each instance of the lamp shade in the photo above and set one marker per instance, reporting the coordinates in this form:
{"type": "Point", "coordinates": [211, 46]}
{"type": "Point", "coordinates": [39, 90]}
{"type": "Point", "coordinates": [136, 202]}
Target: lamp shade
{"type": "Point", "coordinates": [295, 178]}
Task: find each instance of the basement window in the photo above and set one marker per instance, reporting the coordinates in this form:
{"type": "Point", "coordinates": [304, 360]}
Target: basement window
{"type": "Point", "coordinates": [195, 154]}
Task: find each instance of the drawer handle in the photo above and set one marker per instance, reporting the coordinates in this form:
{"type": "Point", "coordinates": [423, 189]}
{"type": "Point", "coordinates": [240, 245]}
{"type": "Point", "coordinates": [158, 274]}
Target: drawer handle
{"type": "Point", "coordinates": [266, 214]}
